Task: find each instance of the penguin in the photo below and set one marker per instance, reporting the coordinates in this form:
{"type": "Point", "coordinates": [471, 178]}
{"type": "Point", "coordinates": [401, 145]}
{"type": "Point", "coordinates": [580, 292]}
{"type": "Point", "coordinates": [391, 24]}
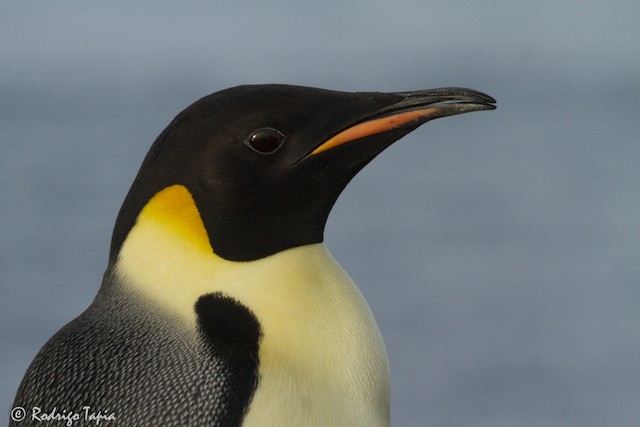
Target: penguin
{"type": "Point", "coordinates": [220, 304]}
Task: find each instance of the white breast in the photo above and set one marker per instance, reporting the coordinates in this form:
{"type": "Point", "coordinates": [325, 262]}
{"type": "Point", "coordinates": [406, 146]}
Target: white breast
{"type": "Point", "coordinates": [322, 359]}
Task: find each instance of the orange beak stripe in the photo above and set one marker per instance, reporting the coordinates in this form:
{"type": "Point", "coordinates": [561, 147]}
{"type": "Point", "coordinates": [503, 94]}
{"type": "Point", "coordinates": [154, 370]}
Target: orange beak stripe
{"type": "Point", "coordinates": [374, 127]}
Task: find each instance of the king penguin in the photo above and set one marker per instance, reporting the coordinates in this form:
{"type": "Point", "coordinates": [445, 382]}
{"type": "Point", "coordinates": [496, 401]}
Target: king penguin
{"type": "Point", "coordinates": [220, 305]}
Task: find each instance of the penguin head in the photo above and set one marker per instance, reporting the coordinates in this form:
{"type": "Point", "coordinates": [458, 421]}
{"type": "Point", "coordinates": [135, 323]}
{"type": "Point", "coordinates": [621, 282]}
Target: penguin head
{"type": "Point", "coordinates": [264, 164]}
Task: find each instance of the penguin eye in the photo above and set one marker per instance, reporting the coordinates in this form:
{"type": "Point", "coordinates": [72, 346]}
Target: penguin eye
{"type": "Point", "coordinates": [265, 141]}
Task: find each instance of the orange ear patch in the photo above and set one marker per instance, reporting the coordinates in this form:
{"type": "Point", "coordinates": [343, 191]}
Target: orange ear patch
{"type": "Point", "coordinates": [175, 209]}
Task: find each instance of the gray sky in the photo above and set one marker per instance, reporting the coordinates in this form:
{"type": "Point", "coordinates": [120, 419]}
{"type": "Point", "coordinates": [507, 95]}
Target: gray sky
{"type": "Point", "coordinates": [499, 251]}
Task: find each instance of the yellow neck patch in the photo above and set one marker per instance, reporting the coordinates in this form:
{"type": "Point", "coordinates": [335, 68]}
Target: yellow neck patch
{"type": "Point", "coordinates": [175, 209]}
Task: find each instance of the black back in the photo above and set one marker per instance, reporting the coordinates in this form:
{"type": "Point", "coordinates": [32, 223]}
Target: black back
{"type": "Point", "coordinates": [126, 356]}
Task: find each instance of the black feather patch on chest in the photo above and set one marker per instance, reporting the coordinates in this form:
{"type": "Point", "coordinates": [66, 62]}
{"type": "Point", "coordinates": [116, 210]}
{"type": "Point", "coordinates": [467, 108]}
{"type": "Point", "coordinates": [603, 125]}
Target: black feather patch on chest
{"type": "Point", "coordinates": [231, 334]}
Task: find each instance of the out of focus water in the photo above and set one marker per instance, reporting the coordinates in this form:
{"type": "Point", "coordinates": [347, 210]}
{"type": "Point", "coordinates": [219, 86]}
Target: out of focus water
{"type": "Point", "coordinates": [499, 251]}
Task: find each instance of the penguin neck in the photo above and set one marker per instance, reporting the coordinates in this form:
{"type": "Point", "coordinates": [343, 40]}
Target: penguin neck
{"type": "Point", "coordinates": [167, 257]}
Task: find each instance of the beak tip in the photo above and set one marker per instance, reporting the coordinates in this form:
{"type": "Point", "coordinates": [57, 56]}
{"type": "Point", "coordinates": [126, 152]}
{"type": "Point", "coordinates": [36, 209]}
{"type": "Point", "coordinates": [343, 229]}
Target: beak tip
{"type": "Point", "coordinates": [490, 99]}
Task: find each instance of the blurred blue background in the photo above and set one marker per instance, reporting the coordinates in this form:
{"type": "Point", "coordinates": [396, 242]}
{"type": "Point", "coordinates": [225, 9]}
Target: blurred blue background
{"type": "Point", "coordinates": [499, 251]}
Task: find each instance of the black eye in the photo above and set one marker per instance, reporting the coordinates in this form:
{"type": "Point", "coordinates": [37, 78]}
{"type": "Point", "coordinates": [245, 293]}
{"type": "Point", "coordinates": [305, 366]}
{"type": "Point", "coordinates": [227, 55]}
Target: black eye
{"type": "Point", "coordinates": [265, 141]}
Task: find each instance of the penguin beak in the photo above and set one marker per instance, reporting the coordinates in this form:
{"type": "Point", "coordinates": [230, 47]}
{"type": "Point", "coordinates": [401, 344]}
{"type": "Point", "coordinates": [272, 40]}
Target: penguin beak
{"type": "Point", "coordinates": [413, 110]}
